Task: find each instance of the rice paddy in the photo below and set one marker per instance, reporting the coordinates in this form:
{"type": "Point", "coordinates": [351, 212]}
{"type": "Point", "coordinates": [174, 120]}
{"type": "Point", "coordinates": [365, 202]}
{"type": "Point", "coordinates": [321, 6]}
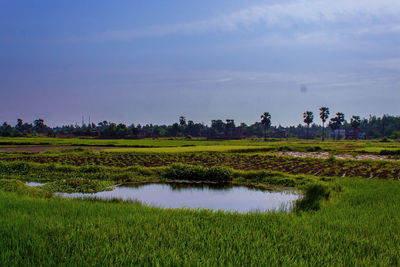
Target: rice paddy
{"type": "Point", "coordinates": [348, 215]}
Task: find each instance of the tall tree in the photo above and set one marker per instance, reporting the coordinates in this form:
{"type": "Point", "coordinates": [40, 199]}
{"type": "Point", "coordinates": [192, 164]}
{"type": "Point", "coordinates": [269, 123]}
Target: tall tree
{"type": "Point", "coordinates": [308, 119]}
{"type": "Point", "coordinates": [39, 123]}
{"type": "Point", "coordinates": [39, 126]}
{"type": "Point", "coordinates": [182, 121]}
{"type": "Point", "coordinates": [336, 122]}
{"type": "Point", "coordinates": [355, 122]}
{"type": "Point", "coordinates": [324, 115]}
{"type": "Point", "coordinates": [20, 122]}
{"type": "Point", "coordinates": [334, 126]}
{"type": "Point", "coordinates": [182, 124]}
{"type": "Point", "coordinates": [340, 118]}
{"type": "Point", "coordinates": [266, 121]}
{"type": "Point", "coordinates": [230, 126]}
{"type": "Point", "coordinates": [175, 129]}
{"type": "Point", "coordinates": [384, 119]}
{"type": "Point", "coordinates": [218, 127]}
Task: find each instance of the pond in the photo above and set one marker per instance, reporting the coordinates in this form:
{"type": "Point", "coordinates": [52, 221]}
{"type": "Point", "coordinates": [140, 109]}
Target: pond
{"type": "Point", "coordinates": [199, 196]}
{"type": "Point", "coordinates": [34, 184]}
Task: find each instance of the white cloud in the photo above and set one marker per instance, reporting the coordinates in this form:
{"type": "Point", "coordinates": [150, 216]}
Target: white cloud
{"type": "Point", "coordinates": [179, 78]}
{"type": "Point", "coordinates": [277, 15]}
{"type": "Point", "coordinates": [392, 64]}
{"type": "Point", "coordinates": [312, 38]}
{"type": "Point", "coordinates": [384, 28]}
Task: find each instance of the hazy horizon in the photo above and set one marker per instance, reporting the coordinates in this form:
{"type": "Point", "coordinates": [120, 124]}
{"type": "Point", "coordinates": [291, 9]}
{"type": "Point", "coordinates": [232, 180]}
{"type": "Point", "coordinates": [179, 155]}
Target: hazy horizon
{"type": "Point", "coordinates": [142, 62]}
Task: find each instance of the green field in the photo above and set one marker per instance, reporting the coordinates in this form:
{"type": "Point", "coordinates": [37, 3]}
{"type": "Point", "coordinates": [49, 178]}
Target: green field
{"type": "Point", "coordinates": [156, 142]}
{"type": "Point", "coordinates": [360, 146]}
{"type": "Point", "coordinates": [349, 215]}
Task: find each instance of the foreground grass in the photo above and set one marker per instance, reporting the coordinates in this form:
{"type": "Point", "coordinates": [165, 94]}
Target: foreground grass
{"type": "Point", "coordinates": [362, 227]}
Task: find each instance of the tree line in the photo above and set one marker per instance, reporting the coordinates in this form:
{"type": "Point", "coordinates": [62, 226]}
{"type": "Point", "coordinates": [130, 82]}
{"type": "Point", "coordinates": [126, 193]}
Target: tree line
{"type": "Point", "coordinates": [337, 127]}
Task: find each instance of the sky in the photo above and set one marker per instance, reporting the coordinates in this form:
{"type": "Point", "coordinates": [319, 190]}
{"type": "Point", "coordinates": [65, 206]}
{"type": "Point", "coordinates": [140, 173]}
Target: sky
{"type": "Point", "coordinates": [153, 61]}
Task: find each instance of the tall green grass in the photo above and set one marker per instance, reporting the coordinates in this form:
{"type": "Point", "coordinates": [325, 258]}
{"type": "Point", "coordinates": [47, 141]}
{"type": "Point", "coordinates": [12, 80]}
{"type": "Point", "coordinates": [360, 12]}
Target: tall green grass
{"type": "Point", "coordinates": [20, 188]}
{"type": "Point", "coordinates": [75, 185]}
{"type": "Point", "coordinates": [361, 227]}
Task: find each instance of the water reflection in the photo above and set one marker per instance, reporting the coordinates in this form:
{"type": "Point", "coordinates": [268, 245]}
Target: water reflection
{"type": "Point", "coordinates": [199, 196]}
{"type": "Point", "coordinates": [34, 184]}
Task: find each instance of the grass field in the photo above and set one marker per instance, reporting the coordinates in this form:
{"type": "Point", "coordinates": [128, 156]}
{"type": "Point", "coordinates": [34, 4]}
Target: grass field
{"type": "Point", "coordinates": [359, 146]}
{"type": "Point", "coordinates": [361, 227]}
{"type": "Point", "coordinates": [347, 217]}
{"type": "Point", "coordinates": [157, 142]}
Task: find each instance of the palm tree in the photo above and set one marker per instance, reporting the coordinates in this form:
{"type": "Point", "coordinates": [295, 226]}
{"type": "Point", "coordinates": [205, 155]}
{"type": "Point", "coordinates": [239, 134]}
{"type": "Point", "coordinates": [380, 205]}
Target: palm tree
{"type": "Point", "coordinates": [182, 124]}
{"type": "Point", "coordinates": [336, 123]}
{"type": "Point", "coordinates": [182, 121]}
{"type": "Point", "coordinates": [340, 118]}
{"type": "Point", "coordinates": [266, 121]}
{"type": "Point", "coordinates": [230, 126]}
{"type": "Point", "coordinates": [333, 124]}
{"type": "Point", "coordinates": [20, 123]}
{"type": "Point", "coordinates": [324, 115]}
{"type": "Point", "coordinates": [308, 119]}
{"type": "Point", "coordinates": [355, 123]}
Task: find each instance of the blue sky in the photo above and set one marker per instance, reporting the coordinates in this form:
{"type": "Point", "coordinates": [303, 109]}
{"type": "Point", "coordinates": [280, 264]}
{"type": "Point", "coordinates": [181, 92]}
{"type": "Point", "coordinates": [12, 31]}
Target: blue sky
{"type": "Point", "coordinates": [153, 61]}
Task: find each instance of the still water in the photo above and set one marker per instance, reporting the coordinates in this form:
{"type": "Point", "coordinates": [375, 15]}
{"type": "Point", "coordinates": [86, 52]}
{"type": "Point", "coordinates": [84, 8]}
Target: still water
{"type": "Point", "coordinates": [228, 198]}
{"type": "Point", "coordinates": [34, 184]}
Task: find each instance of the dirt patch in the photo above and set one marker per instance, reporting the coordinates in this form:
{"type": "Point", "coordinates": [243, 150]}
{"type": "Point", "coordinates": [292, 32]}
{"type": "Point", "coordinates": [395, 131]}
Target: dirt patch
{"type": "Point", "coordinates": [292, 165]}
{"type": "Point", "coordinates": [48, 148]}
{"type": "Point", "coordinates": [325, 155]}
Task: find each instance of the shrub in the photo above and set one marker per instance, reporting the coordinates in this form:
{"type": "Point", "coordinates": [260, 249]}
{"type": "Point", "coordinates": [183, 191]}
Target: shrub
{"type": "Point", "coordinates": [198, 173]}
{"type": "Point", "coordinates": [91, 168]}
{"type": "Point", "coordinates": [285, 148]}
{"type": "Point", "coordinates": [11, 185]}
{"type": "Point", "coordinates": [20, 166]}
{"type": "Point", "coordinates": [313, 196]}
{"type": "Point", "coordinates": [390, 152]}
{"type": "Point", "coordinates": [384, 140]}
{"type": "Point", "coordinates": [77, 185]}
{"type": "Point", "coordinates": [313, 149]}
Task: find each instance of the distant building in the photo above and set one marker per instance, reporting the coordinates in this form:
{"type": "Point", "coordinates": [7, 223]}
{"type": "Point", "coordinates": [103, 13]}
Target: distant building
{"type": "Point", "coordinates": [339, 133]}
{"type": "Point", "coordinates": [353, 134]}
{"type": "Point", "coordinates": [280, 133]}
